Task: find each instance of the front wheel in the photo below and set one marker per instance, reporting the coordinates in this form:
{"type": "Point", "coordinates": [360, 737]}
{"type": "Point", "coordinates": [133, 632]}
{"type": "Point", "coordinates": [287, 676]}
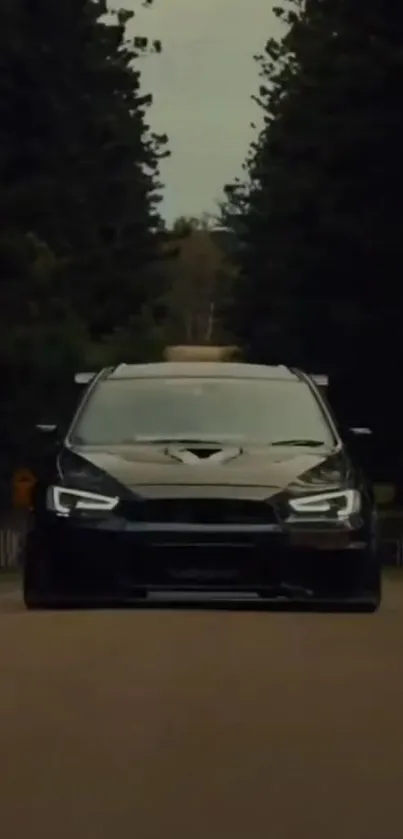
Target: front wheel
{"type": "Point", "coordinates": [367, 607]}
{"type": "Point", "coordinates": [34, 585]}
{"type": "Point", "coordinates": [370, 598]}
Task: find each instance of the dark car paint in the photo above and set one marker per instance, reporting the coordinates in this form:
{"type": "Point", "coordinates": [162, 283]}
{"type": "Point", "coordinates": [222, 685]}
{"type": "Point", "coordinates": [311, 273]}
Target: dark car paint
{"type": "Point", "coordinates": [142, 472]}
{"type": "Point", "coordinates": [249, 465]}
{"type": "Point", "coordinates": [268, 469]}
{"type": "Point", "coordinates": [154, 470]}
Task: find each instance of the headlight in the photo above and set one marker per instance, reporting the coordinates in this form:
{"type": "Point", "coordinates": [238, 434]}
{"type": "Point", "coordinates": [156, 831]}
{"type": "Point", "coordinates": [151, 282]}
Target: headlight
{"type": "Point", "coordinates": [337, 506]}
{"type": "Point", "coordinates": [65, 501]}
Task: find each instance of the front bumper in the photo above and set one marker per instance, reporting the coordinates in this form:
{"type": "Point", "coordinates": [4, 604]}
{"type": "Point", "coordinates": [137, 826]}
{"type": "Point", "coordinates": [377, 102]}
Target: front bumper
{"type": "Point", "coordinates": [124, 560]}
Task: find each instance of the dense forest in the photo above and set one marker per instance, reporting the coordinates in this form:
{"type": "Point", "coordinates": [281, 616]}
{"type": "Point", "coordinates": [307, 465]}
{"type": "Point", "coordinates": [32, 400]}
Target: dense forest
{"type": "Point", "coordinates": [80, 229]}
{"type": "Point", "coordinates": [302, 264]}
{"type": "Point", "coordinates": [318, 211]}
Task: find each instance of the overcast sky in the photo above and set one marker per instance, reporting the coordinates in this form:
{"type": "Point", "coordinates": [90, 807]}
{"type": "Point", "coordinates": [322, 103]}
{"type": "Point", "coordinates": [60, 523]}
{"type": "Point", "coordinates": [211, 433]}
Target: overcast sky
{"type": "Point", "coordinates": [202, 86]}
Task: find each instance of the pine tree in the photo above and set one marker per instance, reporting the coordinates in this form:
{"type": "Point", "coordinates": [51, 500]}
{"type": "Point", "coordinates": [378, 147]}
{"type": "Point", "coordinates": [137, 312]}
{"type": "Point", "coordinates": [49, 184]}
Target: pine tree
{"type": "Point", "coordinates": [79, 195]}
{"type": "Point", "coordinates": [319, 211]}
{"type": "Point", "coordinates": [78, 162]}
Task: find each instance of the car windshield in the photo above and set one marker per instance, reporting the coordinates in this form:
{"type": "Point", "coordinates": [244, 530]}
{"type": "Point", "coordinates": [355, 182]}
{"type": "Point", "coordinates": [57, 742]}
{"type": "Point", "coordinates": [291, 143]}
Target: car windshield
{"type": "Point", "coordinates": [121, 412]}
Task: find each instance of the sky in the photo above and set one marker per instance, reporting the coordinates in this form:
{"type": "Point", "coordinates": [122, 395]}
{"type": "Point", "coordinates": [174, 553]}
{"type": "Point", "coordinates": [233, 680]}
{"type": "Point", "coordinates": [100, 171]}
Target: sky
{"type": "Point", "coordinates": [202, 85]}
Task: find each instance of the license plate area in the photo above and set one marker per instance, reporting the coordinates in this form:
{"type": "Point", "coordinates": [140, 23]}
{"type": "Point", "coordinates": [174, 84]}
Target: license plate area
{"type": "Point", "coordinates": [192, 564]}
{"type": "Point", "coordinates": [201, 559]}
{"type": "Point", "coordinates": [207, 565]}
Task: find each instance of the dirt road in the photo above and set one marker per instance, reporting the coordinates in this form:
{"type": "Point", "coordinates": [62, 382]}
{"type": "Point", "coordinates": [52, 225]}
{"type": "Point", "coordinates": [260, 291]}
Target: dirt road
{"type": "Point", "coordinates": [201, 725]}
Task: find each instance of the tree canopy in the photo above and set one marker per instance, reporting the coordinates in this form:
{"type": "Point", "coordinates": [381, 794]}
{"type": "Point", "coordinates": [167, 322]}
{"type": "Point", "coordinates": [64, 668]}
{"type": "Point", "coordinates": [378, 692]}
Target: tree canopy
{"type": "Point", "coordinates": [318, 211]}
{"type": "Point", "coordinates": [80, 229]}
{"type": "Point", "coordinates": [199, 280]}
{"type": "Point", "coordinates": [79, 168]}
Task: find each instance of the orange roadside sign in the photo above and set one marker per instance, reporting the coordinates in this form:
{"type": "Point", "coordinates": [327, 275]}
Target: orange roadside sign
{"type": "Point", "coordinates": [22, 486]}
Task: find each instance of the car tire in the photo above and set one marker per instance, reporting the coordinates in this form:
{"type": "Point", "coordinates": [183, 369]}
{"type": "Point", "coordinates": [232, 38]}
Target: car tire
{"type": "Point", "coordinates": [34, 588]}
{"type": "Point", "coordinates": [370, 598]}
{"type": "Point", "coordinates": [367, 607]}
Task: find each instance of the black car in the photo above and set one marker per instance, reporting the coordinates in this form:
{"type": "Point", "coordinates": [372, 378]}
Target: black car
{"type": "Point", "coordinates": [226, 480]}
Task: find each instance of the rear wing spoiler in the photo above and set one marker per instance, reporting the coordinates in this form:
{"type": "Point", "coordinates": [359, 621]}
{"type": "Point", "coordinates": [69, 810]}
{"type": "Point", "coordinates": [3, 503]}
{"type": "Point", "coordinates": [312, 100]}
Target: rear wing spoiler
{"type": "Point", "coordinates": [83, 378]}
{"type": "Point", "coordinates": [320, 379]}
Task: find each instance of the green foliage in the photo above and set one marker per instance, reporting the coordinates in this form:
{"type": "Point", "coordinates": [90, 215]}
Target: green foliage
{"type": "Point", "coordinates": [80, 228]}
{"type": "Point", "coordinates": [78, 163]}
{"type": "Point", "coordinates": [200, 277]}
{"type": "Point", "coordinates": [318, 213]}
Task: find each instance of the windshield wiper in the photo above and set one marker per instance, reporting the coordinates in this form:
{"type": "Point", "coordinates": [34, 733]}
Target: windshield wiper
{"type": "Point", "coordinates": [296, 442]}
{"type": "Point", "coordinates": [182, 441]}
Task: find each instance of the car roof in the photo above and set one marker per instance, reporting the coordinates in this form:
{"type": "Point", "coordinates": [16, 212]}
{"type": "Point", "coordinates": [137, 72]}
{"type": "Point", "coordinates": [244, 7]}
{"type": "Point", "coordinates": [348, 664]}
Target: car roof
{"type": "Point", "coordinates": [191, 369]}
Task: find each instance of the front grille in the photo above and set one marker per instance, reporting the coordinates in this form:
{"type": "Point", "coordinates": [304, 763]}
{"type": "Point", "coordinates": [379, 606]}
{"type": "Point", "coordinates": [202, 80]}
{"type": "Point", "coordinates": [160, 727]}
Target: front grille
{"type": "Point", "coordinates": [199, 511]}
{"type": "Point", "coordinates": [243, 567]}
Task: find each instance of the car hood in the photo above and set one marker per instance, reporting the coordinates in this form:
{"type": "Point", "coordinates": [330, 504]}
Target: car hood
{"type": "Point", "coordinates": [147, 468]}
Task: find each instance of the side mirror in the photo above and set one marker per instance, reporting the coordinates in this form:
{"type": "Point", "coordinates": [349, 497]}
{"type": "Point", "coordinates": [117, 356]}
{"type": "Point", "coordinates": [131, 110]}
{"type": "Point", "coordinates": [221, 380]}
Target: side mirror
{"type": "Point", "coordinates": [361, 432]}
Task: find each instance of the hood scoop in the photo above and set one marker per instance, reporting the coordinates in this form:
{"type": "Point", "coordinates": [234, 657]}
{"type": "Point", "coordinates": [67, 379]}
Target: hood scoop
{"type": "Point", "coordinates": [202, 454]}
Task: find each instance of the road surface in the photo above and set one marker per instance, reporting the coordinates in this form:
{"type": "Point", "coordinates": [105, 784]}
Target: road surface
{"type": "Point", "coordinates": [201, 725]}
